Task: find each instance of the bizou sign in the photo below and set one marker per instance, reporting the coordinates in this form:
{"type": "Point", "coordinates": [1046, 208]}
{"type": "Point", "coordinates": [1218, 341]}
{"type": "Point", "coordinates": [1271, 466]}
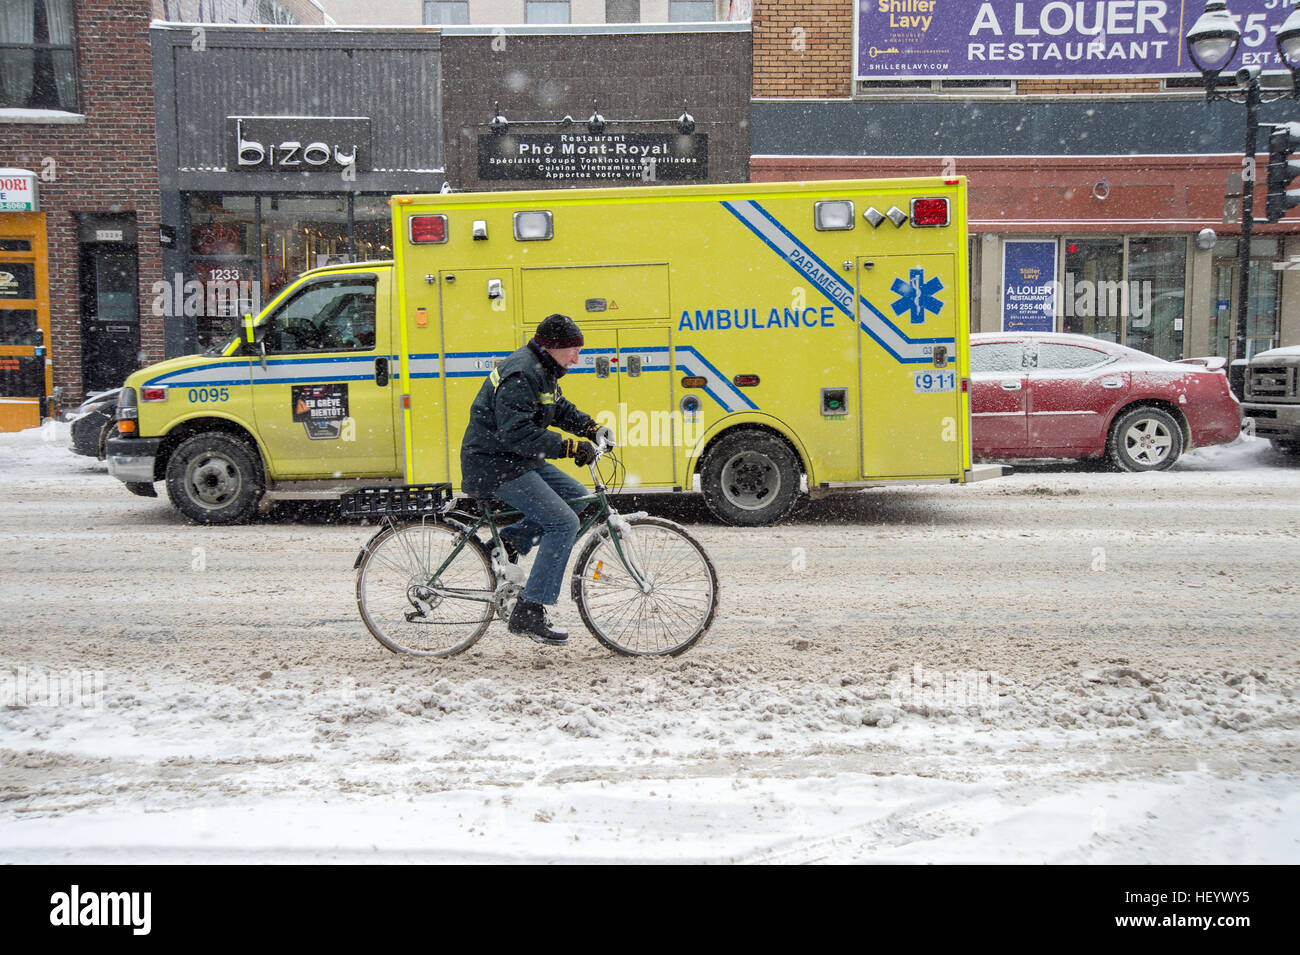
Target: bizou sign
{"type": "Point", "coordinates": [297, 143]}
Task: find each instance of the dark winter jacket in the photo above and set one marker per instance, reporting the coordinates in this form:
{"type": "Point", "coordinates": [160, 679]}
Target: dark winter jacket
{"type": "Point", "coordinates": [508, 432]}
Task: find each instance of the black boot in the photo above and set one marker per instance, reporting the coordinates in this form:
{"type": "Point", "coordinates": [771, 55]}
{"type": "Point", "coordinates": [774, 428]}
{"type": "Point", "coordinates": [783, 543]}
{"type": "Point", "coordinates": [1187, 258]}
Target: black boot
{"type": "Point", "coordinates": [530, 619]}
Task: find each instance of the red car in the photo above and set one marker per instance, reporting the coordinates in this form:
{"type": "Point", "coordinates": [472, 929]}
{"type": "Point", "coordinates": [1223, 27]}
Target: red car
{"type": "Point", "coordinates": [1072, 396]}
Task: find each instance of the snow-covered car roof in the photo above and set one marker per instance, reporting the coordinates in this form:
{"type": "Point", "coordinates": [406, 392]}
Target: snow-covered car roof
{"type": "Point", "coordinates": [1290, 351]}
{"type": "Point", "coordinates": [1066, 338]}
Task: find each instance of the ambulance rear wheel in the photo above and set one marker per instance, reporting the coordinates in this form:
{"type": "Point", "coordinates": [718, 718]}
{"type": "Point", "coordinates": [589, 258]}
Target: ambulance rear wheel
{"type": "Point", "coordinates": [750, 478]}
{"type": "Point", "coordinates": [213, 478]}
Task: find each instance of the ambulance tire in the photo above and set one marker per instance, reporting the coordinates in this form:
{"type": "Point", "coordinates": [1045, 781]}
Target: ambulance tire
{"type": "Point", "coordinates": [214, 478]}
{"type": "Point", "coordinates": [750, 478]}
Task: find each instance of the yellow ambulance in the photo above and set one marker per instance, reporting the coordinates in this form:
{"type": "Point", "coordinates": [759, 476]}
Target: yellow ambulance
{"type": "Point", "coordinates": [753, 342]}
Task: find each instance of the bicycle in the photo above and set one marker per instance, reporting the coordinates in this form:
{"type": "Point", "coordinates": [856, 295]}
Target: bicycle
{"type": "Point", "coordinates": [429, 585]}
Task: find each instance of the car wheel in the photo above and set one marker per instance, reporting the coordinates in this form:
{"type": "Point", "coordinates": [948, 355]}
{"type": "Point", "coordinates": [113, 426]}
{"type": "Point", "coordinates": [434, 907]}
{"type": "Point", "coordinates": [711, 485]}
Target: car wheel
{"type": "Point", "coordinates": [1145, 439]}
{"type": "Point", "coordinates": [214, 478]}
{"type": "Point", "coordinates": [750, 478]}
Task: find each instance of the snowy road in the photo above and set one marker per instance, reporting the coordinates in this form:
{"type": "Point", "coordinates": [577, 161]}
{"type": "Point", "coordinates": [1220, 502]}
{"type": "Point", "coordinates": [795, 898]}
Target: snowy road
{"type": "Point", "coordinates": [1067, 665]}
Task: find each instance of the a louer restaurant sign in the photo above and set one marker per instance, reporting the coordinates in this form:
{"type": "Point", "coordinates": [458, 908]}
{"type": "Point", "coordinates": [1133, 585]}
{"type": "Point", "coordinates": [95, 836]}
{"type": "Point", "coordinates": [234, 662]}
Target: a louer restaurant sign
{"type": "Point", "coordinates": [1028, 38]}
{"type": "Point", "coordinates": [18, 192]}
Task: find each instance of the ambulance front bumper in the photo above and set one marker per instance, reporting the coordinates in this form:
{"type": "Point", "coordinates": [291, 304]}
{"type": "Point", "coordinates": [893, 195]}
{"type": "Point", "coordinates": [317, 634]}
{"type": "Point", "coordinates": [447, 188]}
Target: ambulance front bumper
{"type": "Point", "coordinates": [132, 459]}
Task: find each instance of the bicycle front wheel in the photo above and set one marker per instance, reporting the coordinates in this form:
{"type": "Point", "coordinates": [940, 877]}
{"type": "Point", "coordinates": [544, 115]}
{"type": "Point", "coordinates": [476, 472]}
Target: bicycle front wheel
{"type": "Point", "coordinates": [409, 605]}
{"type": "Point", "coordinates": [682, 589]}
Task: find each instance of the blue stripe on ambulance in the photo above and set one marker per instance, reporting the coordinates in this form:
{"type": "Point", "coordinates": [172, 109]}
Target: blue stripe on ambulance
{"type": "Point", "coordinates": [429, 365]}
{"type": "Point", "coordinates": [287, 371]}
{"type": "Point", "coordinates": [870, 319]}
{"type": "Point", "coordinates": [294, 371]}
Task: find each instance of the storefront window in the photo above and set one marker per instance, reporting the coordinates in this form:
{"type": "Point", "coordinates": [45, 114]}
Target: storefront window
{"type": "Point", "coordinates": [301, 234]}
{"type": "Point", "coordinates": [1092, 299]}
{"type": "Point", "coordinates": [223, 259]}
{"type": "Point", "coordinates": [245, 249]}
{"type": "Point", "coordinates": [1157, 282]}
{"type": "Point", "coordinates": [372, 230]}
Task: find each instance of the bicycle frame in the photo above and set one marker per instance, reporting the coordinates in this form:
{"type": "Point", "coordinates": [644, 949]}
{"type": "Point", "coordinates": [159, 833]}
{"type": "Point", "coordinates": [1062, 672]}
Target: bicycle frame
{"type": "Point", "coordinates": [489, 518]}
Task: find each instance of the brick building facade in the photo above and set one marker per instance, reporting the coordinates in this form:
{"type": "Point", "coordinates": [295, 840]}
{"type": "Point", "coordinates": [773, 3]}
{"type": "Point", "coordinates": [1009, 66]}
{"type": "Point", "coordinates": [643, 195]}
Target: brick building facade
{"type": "Point", "coordinates": [97, 168]}
{"type": "Point", "coordinates": [77, 112]}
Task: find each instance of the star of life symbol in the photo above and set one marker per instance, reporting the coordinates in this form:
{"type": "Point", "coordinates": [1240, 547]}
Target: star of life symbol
{"type": "Point", "coordinates": [917, 296]}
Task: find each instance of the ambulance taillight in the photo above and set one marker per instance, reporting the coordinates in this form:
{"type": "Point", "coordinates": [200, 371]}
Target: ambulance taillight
{"type": "Point", "coordinates": [428, 229]}
{"type": "Point", "coordinates": [929, 213]}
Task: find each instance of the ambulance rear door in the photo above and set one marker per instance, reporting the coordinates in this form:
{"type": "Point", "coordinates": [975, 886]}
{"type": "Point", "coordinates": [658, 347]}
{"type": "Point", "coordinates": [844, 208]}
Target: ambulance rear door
{"type": "Point", "coordinates": [478, 333]}
{"type": "Point", "coordinates": [623, 378]}
{"type": "Point", "coordinates": [908, 310]}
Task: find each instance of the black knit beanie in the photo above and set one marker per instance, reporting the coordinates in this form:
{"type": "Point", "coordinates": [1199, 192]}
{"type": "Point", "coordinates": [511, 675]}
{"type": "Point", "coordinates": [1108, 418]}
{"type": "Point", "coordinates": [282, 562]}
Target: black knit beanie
{"type": "Point", "coordinates": [558, 331]}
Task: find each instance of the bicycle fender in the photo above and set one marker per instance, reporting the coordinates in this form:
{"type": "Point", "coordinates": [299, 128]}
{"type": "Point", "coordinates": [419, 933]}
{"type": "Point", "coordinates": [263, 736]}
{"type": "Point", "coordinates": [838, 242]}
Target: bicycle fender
{"type": "Point", "coordinates": [365, 548]}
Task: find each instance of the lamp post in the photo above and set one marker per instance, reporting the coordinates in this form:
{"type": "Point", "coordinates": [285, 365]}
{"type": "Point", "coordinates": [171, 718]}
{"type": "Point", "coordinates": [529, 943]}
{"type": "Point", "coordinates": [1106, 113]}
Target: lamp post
{"type": "Point", "coordinates": [1212, 44]}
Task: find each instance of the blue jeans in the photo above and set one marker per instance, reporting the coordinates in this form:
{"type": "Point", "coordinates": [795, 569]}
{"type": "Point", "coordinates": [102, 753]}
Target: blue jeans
{"type": "Point", "coordinates": [542, 496]}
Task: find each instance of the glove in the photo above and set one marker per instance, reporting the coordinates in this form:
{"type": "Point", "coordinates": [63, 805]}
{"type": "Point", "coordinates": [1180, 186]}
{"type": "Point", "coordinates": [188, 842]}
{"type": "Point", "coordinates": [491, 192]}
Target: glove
{"type": "Point", "coordinates": [582, 452]}
{"type": "Point", "coordinates": [600, 435]}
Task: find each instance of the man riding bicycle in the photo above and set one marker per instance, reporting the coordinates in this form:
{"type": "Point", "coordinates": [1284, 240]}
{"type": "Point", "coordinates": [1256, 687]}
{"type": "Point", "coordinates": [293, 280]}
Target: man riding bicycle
{"type": "Point", "coordinates": [504, 452]}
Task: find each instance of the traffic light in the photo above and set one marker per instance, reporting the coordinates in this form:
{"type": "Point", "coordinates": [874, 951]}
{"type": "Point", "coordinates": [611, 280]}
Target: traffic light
{"type": "Point", "coordinates": [1282, 141]}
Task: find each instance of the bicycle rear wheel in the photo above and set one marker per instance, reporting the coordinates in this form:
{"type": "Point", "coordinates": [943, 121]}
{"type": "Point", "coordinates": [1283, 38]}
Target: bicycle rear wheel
{"type": "Point", "coordinates": [409, 610]}
{"type": "Point", "coordinates": [682, 599]}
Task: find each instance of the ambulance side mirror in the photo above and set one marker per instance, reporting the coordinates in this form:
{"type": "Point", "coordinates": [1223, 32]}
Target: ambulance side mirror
{"type": "Point", "coordinates": [251, 342]}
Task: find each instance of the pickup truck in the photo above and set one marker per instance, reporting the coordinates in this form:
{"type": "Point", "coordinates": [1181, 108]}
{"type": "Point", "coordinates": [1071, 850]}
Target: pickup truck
{"type": "Point", "coordinates": [1272, 399]}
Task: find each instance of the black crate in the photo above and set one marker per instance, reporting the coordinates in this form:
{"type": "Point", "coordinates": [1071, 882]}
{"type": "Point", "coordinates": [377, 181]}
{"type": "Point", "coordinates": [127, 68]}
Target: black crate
{"type": "Point", "coordinates": [408, 500]}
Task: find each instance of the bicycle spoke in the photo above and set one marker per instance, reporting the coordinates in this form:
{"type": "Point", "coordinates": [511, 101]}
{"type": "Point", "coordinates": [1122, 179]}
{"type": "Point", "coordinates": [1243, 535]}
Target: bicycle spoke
{"type": "Point", "coordinates": [410, 611]}
{"type": "Point", "coordinates": [682, 590]}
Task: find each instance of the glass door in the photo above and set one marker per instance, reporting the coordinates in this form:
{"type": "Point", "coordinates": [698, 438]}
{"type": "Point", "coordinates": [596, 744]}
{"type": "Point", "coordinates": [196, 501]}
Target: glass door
{"type": "Point", "coordinates": [110, 315]}
{"type": "Point", "coordinates": [25, 377]}
{"type": "Point", "coordinates": [1262, 312]}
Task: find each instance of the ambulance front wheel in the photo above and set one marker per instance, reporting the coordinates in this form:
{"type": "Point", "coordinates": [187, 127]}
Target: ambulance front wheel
{"type": "Point", "coordinates": [750, 478]}
{"type": "Point", "coordinates": [213, 478]}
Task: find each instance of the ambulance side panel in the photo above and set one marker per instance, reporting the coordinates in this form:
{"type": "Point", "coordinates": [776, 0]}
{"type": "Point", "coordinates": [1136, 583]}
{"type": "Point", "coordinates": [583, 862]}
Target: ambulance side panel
{"type": "Point", "coordinates": [704, 309]}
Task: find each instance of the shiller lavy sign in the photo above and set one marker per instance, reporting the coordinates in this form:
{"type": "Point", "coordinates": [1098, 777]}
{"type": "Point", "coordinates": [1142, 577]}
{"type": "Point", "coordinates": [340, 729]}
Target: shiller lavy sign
{"type": "Point", "coordinates": [959, 39]}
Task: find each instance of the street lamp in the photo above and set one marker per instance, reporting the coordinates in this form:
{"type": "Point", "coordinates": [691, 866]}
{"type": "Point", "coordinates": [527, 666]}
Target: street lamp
{"type": "Point", "coordinates": [1212, 44]}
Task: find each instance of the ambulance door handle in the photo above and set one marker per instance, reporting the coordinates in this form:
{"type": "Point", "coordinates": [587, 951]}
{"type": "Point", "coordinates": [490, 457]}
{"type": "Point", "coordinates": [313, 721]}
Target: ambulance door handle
{"type": "Point", "coordinates": [634, 366]}
{"type": "Point", "coordinates": [495, 289]}
{"type": "Point", "coordinates": [381, 372]}
{"type": "Point", "coordinates": [602, 367]}
{"type": "Point", "coordinates": [868, 264]}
